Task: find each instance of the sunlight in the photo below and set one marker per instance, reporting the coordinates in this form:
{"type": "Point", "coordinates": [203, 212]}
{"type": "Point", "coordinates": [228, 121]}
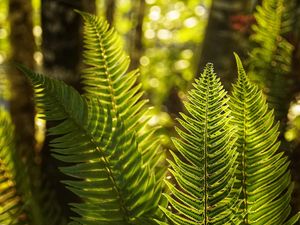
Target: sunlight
{"type": "Point", "coordinates": [173, 15]}
{"type": "Point", "coordinates": [154, 13]}
{"type": "Point", "coordinates": [191, 22]}
{"type": "Point", "coordinates": [164, 34]}
{"type": "Point", "coordinates": [149, 34]}
{"type": "Point", "coordinates": [200, 10]}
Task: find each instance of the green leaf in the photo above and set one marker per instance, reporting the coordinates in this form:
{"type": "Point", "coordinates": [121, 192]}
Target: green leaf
{"type": "Point", "coordinates": [114, 182]}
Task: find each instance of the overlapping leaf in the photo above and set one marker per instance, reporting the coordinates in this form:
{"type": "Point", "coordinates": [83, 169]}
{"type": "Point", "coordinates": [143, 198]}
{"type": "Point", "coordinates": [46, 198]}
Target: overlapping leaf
{"type": "Point", "coordinates": [263, 171]}
{"type": "Point", "coordinates": [106, 77]}
{"type": "Point", "coordinates": [115, 184]}
{"type": "Point", "coordinates": [204, 169]}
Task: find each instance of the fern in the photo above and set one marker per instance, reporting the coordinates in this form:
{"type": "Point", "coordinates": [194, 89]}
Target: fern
{"type": "Point", "coordinates": [270, 61]}
{"type": "Point", "coordinates": [115, 183]}
{"type": "Point", "coordinates": [19, 202]}
{"type": "Point", "coordinates": [105, 77]}
{"type": "Point", "coordinates": [227, 168]}
{"type": "Point", "coordinates": [10, 200]}
{"type": "Point", "coordinates": [120, 192]}
{"type": "Point", "coordinates": [205, 168]}
{"type": "Point", "coordinates": [263, 171]}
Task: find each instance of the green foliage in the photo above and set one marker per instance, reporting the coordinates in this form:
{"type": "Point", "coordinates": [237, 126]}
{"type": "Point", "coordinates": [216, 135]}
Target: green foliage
{"type": "Point", "coordinates": [271, 56]}
{"type": "Point", "coordinates": [11, 205]}
{"type": "Point", "coordinates": [205, 169]}
{"type": "Point", "coordinates": [208, 170]}
{"type": "Point", "coordinates": [227, 168]}
{"type": "Point", "coordinates": [17, 202]}
{"type": "Point", "coordinates": [111, 173]}
{"type": "Point", "coordinates": [113, 159]}
{"type": "Point", "coordinates": [263, 171]}
{"type": "Point", "coordinates": [105, 77]}
{"type": "Point", "coordinates": [22, 199]}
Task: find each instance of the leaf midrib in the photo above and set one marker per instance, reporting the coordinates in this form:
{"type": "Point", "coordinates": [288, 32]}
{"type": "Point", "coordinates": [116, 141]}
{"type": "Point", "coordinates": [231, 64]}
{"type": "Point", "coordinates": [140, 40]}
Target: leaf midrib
{"type": "Point", "coordinates": [206, 155]}
{"type": "Point", "coordinates": [114, 110]}
{"type": "Point", "coordinates": [244, 187]}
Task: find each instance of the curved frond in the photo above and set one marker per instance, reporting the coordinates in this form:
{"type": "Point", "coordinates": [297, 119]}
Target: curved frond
{"type": "Point", "coordinates": [263, 171]}
{"type": "Point", "coordinates": [115, 183]}
{"type": "Point", "coordinates": [204, 168]}
{"type": "Point", "coordinates": [106, 77]}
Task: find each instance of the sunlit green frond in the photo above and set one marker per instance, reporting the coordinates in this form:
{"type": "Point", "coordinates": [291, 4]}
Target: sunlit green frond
{"type": "Point", "coordinates": [106, 77]}
{"type": "Point", "coordinates": [263, 171]}
{"type": "Point", "coordinates": [17, 201]}
{"type": "Point", "coordinates": [270, 61]}
{"type": "Point", "coordinates": [105, 73]}
{"type": "Point", "coordinates": [115, 183]}
{"type": "Point", "coordinates": [11, 205]}
{"type": "Point", "coordinates": [37, 201]}
{"type": "Point", "coordinates": [204, 169]}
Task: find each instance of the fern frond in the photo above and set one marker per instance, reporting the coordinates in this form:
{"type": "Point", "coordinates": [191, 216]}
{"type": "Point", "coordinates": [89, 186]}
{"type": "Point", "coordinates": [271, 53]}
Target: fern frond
{"type": "Point", "coordinates": [18, 203]}
{"type": "Point", "coordinates": [263, 171]}
{"type": "Point", "coordinates": [11, 205]}
{"type": "Point", "coordinates": [116, 185]}
{"type": "Point", "coordinates": [106, 77]}
{"type": "Point", "coordinates": [270, 58]}
{"type": "Point", "coordinates": [205, 168]}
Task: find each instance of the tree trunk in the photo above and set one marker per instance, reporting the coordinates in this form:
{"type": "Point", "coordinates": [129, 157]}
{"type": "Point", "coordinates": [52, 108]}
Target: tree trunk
{"type": "Point", "coordinates": [89, 6]}
{"type": "Point", "coordinates": [227, 32]}
{"type": "Point", "coordinates": [136, 44]}
{"type": "Point", "coordinates": [21, 106]}
{"type": "Point", "coordinates": [62, 50]}
{"type": "Point", "coordinates": [62, 38]}
{"type": "Point", "coordinates": [110, 11]}
{"type": "Point", "coordinates": [22, 50]}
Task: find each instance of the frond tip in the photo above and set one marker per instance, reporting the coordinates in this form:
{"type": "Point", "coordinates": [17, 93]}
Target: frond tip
{"type": "Point", "coordinates": [262, 172]}
{"type": "Point", "coordinates": [204, 169]}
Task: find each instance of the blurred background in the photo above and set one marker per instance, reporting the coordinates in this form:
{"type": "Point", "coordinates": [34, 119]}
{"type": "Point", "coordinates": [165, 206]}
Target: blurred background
{"type": "Point", "coordinates": [170, 41]}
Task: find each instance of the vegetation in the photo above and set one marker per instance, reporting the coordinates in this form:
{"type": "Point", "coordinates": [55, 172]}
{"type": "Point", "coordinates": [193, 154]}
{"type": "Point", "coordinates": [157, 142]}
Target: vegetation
{"type": "Point", "coordinates": [104, 145]}
{"type": "Point", "coordinates": [270, 61]}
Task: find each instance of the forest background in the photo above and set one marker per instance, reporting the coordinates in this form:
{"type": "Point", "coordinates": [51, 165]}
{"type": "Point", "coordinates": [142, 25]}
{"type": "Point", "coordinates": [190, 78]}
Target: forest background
{"type": "Point", "coordinates": [170, 41]}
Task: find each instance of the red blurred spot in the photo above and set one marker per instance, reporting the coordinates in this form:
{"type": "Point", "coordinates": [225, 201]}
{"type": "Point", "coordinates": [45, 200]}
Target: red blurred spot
{"type": "Point", "coordinates": [242, 22]}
